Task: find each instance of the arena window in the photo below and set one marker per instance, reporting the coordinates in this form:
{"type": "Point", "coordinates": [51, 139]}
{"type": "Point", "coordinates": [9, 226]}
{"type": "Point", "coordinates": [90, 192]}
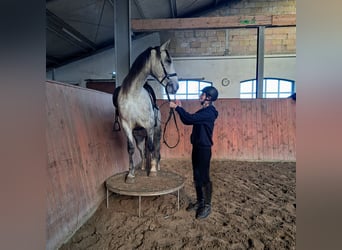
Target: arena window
{"type": "Point", "coordinates": [273, 88]}
{"type": "Point", "coordinates": [189, 89]}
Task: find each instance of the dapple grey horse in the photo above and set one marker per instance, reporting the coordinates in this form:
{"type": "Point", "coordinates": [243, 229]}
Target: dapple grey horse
{"type": "Point", "coordinates": [134, 103]}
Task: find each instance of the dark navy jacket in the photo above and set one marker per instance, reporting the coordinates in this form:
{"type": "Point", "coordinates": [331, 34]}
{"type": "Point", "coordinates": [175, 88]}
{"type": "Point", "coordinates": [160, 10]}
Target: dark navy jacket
{"type": "Point", "coordinates": [203, 125]}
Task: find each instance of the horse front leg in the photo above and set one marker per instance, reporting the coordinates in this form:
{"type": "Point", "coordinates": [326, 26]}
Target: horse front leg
{"type": "Point", "coordinates": [131, 174]}
{"type": "Point", "coordinates": [130, 150]}
{"type": "Point", "coordinates": [151, 148]}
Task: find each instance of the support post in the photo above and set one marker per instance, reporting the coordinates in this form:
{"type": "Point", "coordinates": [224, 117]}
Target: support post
{"type": "Point", "coordinates": [107, 196]}
{"type": "Point", "coordinates": [122, 38]}
{"type": "Point", "coordinates": [260, 62]}
{"type": "Point", "coordinates": [139, 205]}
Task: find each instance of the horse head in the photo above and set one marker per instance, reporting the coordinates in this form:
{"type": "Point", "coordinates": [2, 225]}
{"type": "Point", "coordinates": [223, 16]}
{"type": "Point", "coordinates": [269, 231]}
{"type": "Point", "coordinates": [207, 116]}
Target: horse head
{"type": "Point", "coordinates": [164, 70]}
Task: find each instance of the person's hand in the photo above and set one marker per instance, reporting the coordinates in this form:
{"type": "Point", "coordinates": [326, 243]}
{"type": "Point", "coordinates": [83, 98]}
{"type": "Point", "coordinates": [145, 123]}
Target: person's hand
{"type": "Point", "coordinates": [175, 104]}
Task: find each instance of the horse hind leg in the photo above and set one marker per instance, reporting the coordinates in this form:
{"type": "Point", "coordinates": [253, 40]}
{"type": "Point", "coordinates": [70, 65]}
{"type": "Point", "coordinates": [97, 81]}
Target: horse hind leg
{"type": "Point", "coordinates": [139, 137]}
{"type": "Point", "coordinates": [156, 143]}
{"type": "Point", "coordinates": [141, 148]}
{"type": "Point", "coordinates": [154, 153]}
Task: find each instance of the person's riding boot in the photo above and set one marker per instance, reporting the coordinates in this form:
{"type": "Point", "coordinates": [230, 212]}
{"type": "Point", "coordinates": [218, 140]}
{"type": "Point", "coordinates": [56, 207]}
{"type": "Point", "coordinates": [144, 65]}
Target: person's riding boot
{"type": "Point", "coordinates": [205, 210]}
{"type": "Point", "coordinates": [200, 200]}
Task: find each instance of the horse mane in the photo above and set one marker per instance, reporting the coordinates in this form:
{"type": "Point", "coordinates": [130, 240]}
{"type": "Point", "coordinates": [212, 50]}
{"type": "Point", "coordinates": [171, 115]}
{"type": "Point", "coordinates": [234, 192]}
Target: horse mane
{"type": "Point", "coordinates": [137, 67]}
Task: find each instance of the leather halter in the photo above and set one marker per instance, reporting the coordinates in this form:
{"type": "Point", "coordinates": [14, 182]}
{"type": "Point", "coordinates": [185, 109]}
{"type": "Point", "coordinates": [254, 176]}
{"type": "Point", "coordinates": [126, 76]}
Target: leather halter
{"type": "Point", "coordinates": [171, 112]}
{"type": "Point", "coordinates": [166, 76]}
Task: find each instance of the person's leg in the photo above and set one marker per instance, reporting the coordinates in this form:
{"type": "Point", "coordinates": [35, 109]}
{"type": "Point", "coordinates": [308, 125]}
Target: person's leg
{"type": "Point", "coordinates": [197, 181]}
{"type": "Point", "coordinates": [205, 209]}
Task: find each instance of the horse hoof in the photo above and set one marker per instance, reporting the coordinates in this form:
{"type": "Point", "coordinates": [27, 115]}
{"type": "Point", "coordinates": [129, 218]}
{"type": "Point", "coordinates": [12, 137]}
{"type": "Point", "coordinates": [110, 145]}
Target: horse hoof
{"type": "Point", "coordinates": [153, 174]}
{"type": "Point", "coordinates": [130, 179]}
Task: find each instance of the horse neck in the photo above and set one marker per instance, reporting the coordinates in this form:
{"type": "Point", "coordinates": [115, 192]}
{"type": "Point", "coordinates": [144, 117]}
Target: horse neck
{"type": "Point", "coordinates": [141, 79]}
{"type": "Point", "coordinates": [137, 82]}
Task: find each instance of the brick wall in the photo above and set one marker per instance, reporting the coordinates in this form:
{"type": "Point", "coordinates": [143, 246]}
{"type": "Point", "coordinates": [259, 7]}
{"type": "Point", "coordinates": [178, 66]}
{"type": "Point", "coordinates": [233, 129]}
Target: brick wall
{"type": "Point", "coordinates": [237, 42]}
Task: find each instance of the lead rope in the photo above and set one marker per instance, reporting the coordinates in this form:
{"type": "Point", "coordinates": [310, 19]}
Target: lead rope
{"type": "Point", "coordinates": [171, 114]}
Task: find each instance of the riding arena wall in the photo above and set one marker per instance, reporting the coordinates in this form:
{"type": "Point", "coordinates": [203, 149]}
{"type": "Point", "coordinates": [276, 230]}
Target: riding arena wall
{"type": "Point", "coordinates": [82, 153]}
{"type": "Point", "coordinates": [83, 150]}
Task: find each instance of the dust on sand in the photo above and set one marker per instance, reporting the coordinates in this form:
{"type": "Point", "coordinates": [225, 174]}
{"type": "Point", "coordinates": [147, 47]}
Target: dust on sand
{"type": "Point", "coordinates": [253, 207]}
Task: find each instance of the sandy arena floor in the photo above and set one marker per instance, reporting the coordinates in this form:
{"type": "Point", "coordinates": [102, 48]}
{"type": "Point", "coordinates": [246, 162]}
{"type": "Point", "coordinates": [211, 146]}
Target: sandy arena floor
{"type": "Point", "coordinates": [253, 207]}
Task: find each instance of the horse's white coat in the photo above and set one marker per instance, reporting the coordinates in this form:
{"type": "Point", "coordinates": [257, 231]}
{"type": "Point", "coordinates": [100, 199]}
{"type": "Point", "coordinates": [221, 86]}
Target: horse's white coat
{"type": "Point", "coordinates": [134, 104]}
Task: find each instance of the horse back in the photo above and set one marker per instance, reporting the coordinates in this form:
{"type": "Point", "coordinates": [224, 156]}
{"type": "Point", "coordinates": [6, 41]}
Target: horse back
{"type": "Point", "coordinates": [147, 87]}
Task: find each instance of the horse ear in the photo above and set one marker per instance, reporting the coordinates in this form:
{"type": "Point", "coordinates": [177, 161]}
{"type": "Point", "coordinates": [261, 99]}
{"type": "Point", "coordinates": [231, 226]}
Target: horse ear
{"type": "Point", "coordinates": [165, 45]}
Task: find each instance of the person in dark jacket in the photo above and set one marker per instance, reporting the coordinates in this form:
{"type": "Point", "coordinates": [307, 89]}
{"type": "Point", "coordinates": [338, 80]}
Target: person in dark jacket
{"type": "Point", "coordinates": [203, 122]}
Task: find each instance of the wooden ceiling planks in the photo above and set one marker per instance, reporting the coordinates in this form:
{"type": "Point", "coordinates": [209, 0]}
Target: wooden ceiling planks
{"type": "Point", "coordinates": [227, 22]}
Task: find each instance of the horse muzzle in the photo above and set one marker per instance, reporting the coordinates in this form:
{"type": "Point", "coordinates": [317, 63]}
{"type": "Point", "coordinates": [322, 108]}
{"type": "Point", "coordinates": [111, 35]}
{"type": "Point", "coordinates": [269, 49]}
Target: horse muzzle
{"type": "Point", "coordinates": [172, 87]}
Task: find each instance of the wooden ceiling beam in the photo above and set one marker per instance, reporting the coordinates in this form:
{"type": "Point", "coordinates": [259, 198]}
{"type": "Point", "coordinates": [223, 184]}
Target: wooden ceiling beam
{"type": "Point", "coordinates": [226, 22]}
{"type": "Point", "coordinates": [284, 20]}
